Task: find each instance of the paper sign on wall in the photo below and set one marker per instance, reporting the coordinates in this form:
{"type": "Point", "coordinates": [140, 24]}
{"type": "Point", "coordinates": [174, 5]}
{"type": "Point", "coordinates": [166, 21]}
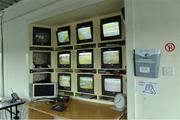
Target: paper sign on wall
{"type": "Point", "coordinates": [146, 62]}
{"type": "Point", "coordinates": [147, 88]}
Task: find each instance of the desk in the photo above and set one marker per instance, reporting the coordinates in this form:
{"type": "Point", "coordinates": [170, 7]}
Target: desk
{"type": "Point", "coordinates": [8, 106]}
{"type": "Point", "coordinates": [76, 109]}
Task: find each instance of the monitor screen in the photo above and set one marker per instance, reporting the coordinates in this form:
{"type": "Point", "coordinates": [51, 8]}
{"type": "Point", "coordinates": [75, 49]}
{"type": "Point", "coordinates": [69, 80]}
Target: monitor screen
{"type": "Point", "coordinates": [64, 59]}
{"type": "Point", "coordinates": [84, 32]}
{"type": "Point", "coordinates": [85, 58]}
{"type": "Point", "coordinates": [111, 28]}
{"type": "Point", "coordinates": [44, 90]}
{"type": "Point", "coordinates": [42, 59]}
{"type": "Point", "coordinates": [42, 78]}
{"type": "Point", "coordinates": [63, 35]}
{"type": "Point", "coordinates": [85, 83]}
{"type": "Point", "coordinates": [111, 57]}
{"type": "Point", "coordinates": [64, 81]}
{"type": "Point", "coordinates": [111, 85]}
{"type": "Point", "coordinates": [41, 36]}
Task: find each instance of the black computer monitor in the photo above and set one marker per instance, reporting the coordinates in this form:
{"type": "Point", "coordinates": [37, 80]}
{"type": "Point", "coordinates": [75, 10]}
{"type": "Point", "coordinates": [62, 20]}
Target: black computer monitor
{"type": "Point", "coordinates": [84, 32]}
{"type": "Point", "coordinates": [42, 78]}
{"type": "Point", "coordinates": [41, 36]}
{"type": "Point", "coordinates": [64, 81]}
{"type": "Point", "coordinates": [42, 59]}
{"type": "Point", "coordinates": [111, 57]}
{"type": "Point", "coordinates": [85, 58]}
{"type": "Point", "coordinates": [85, 83]}
{"type": "Point", "coordinates": [63, 36]}
{"type": "Point", "coordinates": [64, 59]}
{"type": "Point", "coordinates": [111, 28]}
{"type": "Point", "coordinates": [111, 85]}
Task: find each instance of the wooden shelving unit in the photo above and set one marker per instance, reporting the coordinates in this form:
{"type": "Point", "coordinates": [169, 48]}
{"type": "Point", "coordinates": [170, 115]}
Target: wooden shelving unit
{"type": "Point", "coordinates": [97, 71]}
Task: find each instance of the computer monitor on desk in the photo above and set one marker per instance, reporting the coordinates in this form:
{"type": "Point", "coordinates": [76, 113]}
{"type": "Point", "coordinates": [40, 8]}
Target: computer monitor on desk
{"type": "Point", "coordinates": [44, 91]}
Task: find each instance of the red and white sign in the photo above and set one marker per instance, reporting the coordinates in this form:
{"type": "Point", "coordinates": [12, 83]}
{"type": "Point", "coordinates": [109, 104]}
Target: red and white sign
{"type": "Point", "coordinates": [169, 47]}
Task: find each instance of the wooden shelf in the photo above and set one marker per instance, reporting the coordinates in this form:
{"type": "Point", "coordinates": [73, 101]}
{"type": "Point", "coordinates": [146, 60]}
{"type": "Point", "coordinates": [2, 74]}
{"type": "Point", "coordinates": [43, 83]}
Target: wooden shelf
{"type": "Point", "coordinates": [85, 46]}
{"type": "Point", "coordinates": [106, 98]}
{"type": "Point", "coordinates": [64, 47]}
{"type": "Point", "coordinates": [41, 70]}
{"type": "Point", "coordinates": [85, 70]}
{"type": "Point", "coordinates": [112, 71]}
{"type": "Point", "coordinates": [65, 92]}
{"type": "Point", "coordinates": [41, 48]}
{"type": "Point", "coordinates": [86, 95]}
{"type": "Point", "coordinates": [68, 70]}
{"type": "Point", "coordinates": [112, 44]}
{"type": "Point", "coordinates": [112, 40]}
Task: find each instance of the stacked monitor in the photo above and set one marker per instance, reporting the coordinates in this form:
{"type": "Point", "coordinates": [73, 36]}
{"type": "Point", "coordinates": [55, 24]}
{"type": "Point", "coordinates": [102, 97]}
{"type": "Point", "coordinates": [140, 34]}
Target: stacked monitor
{"type": "Point", "coordinates": [42, 59]}
{"type": "Point", "coordinates": [63, 36]}
{"type": "Point", "coordinates": [41, 36]}
{"type": "Point", "coordinates": [64, 59]}
{"type": "Point", "coordinates": [111, 85]}
{"type": "Point", "coordinates": [111, 57]}
{"type": "Point", "coordinates": [42, 78]}
{"type": "Point", "coordinates": [85, 58]}
{"type": "Point", "coordinates": [85, 83]}
{"type": "Point", "coordinates": [64, 81]}
{"type": "Point", "coordinates": [111, 28]}
{"type": "Point", "coordinates": [84, 32]}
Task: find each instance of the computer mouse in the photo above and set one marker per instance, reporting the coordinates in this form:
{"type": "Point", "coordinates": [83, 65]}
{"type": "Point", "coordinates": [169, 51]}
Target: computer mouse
{"type": "Point", "coordinates": [59, 107]}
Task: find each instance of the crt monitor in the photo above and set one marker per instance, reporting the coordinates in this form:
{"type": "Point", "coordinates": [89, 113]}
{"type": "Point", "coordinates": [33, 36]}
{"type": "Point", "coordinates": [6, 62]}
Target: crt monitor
{"type": "Point", "coordinates": [111, 85]}
{"type": "Point", "coordinates": [44, 90]}
{"type": "Point", "coordinates": [42, 59]}
{"type": "Point", "coordinates": [111, 28]}
{"type": "Point", "coordinates": [64, 59]}
{"type": "Point", "coordinates": [84, 32]}
{"type": "Point", "coordinates": [42, 78]}
{"type": "Point", "coordinates": [63, 36]}
{"type": "Point", "coordinates": [64, 81]}
{"type": "Point", "coordinates": [85, 83]}
{"type": "Point", "coordinates": [85, 58]}
{"type": "Point", "coordinates": [41, 36]}
{"type": "Point", "coordinates": [111, 57]}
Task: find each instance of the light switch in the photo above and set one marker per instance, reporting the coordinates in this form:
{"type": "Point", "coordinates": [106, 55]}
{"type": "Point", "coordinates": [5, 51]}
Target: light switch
{"type": "Point", "coordinates": [167, 71]}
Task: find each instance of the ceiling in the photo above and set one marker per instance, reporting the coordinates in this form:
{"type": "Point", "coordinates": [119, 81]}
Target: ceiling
{"type": "Point", "coordinates": [101, 8]}
{"type": "Point", "coordinates": [7, 3]}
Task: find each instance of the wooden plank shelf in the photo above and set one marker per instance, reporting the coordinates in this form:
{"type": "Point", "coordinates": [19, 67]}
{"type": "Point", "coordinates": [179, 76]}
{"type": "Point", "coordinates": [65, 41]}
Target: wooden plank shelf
{"type": "Point", "coordinates": [85, 70]}
{"type": "Point", "coordinates": [85, 46]}
{"type": "Point", "coordinates": [68, 70]}
{"type": "Point", "coordinates": [112, 44]}
{"type": "Point", "coordinates": [41, 70]}
{"type": "Point", "coordinates": [112, 71]}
